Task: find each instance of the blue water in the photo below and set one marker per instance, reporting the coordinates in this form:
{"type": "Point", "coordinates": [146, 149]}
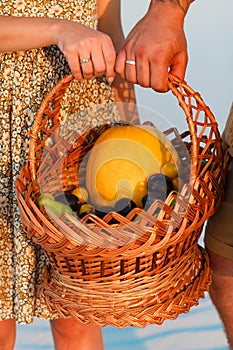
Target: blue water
{"type": "Point", "coordinates": [200, 329]}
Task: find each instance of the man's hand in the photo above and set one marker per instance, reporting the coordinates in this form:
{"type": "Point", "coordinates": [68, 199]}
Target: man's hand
{"type": "Point", "coordinates": [156, 46]}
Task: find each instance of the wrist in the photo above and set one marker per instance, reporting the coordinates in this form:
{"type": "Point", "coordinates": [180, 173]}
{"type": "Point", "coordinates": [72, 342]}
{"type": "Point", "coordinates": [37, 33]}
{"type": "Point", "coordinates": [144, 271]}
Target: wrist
{"type": "Point", "coordinates": [56, 27]}
{"type": "Point", "coordinates": [170, 12]}
{"type": "Point", "coordinates": [180, 5]}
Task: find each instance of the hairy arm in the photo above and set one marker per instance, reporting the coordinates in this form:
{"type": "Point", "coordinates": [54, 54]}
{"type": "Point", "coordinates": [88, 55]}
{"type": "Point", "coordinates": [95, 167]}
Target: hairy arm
{"type": "Point", "coordinates": [182, 4]}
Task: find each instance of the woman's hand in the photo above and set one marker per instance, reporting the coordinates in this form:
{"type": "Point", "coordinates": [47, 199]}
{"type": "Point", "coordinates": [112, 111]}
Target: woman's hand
{"type": "Point", "coordinates": [155, 46]}
{"type": "Point", "coordinates": [76, 41]}
{"type": "Point", "coordinates": [88, 52]}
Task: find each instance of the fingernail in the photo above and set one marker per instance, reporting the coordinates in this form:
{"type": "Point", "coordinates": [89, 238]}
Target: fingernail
{"type": "Point", "coordinates": [110, 79]}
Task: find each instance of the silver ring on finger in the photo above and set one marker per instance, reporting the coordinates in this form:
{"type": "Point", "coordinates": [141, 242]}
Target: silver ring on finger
{"type": "Point", "coordinates": [131, 62]}
{"type": "Point", "coordinates": [85, 60]}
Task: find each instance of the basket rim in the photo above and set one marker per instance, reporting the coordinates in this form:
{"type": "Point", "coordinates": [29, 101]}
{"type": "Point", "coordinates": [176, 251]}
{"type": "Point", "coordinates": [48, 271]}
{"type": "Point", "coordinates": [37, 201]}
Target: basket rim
{"type": "Point", "coordinates": [174, 84]}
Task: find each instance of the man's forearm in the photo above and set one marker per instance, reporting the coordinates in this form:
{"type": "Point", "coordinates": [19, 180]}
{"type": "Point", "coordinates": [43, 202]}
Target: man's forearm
{"type": "Point", "coordinates": [182, 4]}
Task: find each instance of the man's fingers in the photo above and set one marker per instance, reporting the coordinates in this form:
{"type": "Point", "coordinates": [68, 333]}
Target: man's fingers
{"type": "Point", "coordinates": [159, 78]}
{"type": "Point", "coordinates": [120, 63]}
{"type": "Point", "coordinates": [179, 65]}
{"type": "Point", "coordinates": [131, 69]}
{"type": "Point", "coordinates": [143, 72]}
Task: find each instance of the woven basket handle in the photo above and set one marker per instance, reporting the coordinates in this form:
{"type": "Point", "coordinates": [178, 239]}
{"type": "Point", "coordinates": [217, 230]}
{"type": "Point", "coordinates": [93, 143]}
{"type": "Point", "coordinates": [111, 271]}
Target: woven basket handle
{"type": "Point", "coordinates": [53, 98]}
{"type": "Point", "coordinates": [188, 99]}
{"type": "Point", "coordinates": [201, 121]}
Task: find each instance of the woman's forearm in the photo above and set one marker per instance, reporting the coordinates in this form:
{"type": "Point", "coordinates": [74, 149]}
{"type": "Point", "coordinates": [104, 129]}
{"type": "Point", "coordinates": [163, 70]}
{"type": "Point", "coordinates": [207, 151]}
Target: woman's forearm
{"type": "Point", "coordinates": [24, 33]}
{"type": "Point", "coordinates": [75, 40]}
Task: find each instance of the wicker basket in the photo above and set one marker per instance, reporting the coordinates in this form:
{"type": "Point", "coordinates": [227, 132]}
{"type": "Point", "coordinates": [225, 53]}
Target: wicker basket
{"type": "Point", "coordinates": [153, 269]}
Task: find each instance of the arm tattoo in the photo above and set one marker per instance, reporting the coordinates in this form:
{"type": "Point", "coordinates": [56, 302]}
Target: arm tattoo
{"type": "Point", "coordinates": [183, 4]}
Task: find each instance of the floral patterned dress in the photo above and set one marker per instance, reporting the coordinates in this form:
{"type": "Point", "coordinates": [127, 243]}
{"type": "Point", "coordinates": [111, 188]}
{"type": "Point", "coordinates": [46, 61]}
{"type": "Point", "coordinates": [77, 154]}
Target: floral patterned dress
{"type": "Point", "coordinates": [25, 79]}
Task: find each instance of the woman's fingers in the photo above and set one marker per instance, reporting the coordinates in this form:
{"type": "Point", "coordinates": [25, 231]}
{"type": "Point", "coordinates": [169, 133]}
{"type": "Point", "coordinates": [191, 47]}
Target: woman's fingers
{"type": "Point", "coordinates": [86, 65]}
{"type": "Point", "coordinates": [88, 52]}
{"type": "Point", "coordinates": [97, 63]}
{"type": "Point", "coordinates": [103, 62]}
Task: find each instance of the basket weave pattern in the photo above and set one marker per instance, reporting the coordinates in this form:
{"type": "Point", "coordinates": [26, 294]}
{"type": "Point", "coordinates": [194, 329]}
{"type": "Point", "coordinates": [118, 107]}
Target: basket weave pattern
{"type": "Point", "coordinates": [153, 269]}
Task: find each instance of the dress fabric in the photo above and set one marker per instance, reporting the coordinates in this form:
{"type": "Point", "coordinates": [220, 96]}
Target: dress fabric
{"type": "Point", "coordinates": [25, 79]}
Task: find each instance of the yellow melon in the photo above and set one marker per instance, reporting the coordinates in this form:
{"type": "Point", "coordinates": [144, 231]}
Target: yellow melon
{"type": "Point", "coordinates": [121, 161]}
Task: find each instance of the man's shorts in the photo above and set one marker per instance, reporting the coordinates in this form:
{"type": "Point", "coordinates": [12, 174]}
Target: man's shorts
{"type": "Point", "coordinates": [219, 228]}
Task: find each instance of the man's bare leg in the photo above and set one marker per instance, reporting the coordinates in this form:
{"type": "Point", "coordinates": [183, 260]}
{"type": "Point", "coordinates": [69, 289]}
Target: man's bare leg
{"type": "Point", "coordinates": [221, 291]}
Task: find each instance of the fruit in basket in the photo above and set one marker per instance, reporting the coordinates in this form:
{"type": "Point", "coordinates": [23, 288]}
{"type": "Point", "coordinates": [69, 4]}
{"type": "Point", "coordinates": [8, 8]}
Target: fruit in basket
{"type": "Point", "coordinates": [102, 211]}
{"type": "Point", "coordinates": [148, 200]}
{"type": "Point", "coordinates": [124, 206]}
{"type": "Point", "coordinates": [160, 185]}
{"type": "Point", "coordinates": [56, 207]}
{"type": "Point", "coordinates": [169, 169]}
{"type": "Point", "coordinates": [121, 161]}
{"type": "Point", "coordinates": [69, 199]}
{"type": "Point", "coordinates": [178, 183]}
{"type": "Point", "coordinates": [85, 209]}
{"type": "Point", "coordinates": [81, 193]}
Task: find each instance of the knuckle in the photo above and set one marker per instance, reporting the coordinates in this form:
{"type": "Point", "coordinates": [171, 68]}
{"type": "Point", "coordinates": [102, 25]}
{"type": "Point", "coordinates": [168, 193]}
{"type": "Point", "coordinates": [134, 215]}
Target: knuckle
{"type": "Point", "coordinates": [160, 88]}
{"type": "Point", "coordinates": [107, 38]}
{"type": "Point", "coordinates": [141, 52]}
{"type": "Point", "coordinates": [132, 80]}
{"type": "Point", "coordinates": [98, 73]}
{"type": "Point", "coordinates": [100, 69]}
{"type": "Point", "coordinates": [143, 83]}
{"type": "Point", "coordinates": [119, 70]}
{"type": "Point", "coordinates": [110, 58]}
{"type": "Point", "coordinates": [77, 75]}
{"type": "Point", "coordinates": [88, 72]}
{"type": "Point", "coordinates": [88, 76]}
{"type": "Point", "coordinates": [70, 50]}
